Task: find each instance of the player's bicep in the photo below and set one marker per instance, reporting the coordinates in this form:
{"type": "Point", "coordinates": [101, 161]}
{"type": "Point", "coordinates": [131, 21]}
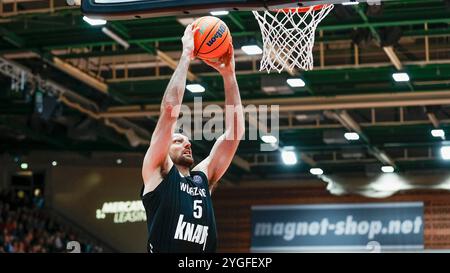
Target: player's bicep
{"type": "Point", "coordinates": [219, 159]}
{"type": "Point", "coordinates": [157, 154]}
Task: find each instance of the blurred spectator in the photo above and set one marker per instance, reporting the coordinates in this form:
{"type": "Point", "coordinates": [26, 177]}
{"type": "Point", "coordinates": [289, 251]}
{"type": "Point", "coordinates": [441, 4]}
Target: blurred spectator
{"type": "Point", "coordinates": [25, 227]}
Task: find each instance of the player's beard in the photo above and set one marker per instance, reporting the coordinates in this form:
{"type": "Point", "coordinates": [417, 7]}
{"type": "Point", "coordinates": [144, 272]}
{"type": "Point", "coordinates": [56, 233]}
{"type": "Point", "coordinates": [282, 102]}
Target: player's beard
{"type": "Point", "coordinates": [184, 160]}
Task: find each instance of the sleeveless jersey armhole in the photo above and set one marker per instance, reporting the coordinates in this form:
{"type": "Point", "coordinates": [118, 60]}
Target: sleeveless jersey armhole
{"type": "Point", "coordinates": [160, 185]}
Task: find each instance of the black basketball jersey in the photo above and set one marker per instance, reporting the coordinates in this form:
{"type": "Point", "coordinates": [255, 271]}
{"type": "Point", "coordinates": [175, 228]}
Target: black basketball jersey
{"type": "Point", "coordinates": [180, 215]}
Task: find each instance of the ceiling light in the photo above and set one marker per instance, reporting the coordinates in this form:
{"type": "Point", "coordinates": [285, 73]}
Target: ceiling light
{"type": "Point", "coordinates": [350, 3]}
{"type": "Point", "coordinates": [445, 152]}
{"type": "Point", "coordinates": [401, 77]}
{"type": "Point", "coordinates": [316, 171]}
{"type": "Point", "coordinates": [269, 139]}
{"type": "Point", "coordinates": [54, 163]}
{"type": "Point", "coordinates": [24, 166]}
{"type": "Point", "coordinates": [252, 50]}
{"type": "Point", "coordinates": [94, 22]}
{"type": "Point", "coordinates": [387, 169]}
{"type": "Point", "coordinates": [37, 192]}
{"type": "Point", "coordinates": [195, 88]}
{"type": "Point", "coordinates": [186, 21]}
{"type": "Point", "coordinates": [219, 12]}
{"type": "Point", "coordinates": [289, 157]}
{"type": "Point", "coordinates": [351, 136]}
{"type": "Point", "coordinates": [296, 82]}
{"type": "Point", "coordinates": [438, 133]}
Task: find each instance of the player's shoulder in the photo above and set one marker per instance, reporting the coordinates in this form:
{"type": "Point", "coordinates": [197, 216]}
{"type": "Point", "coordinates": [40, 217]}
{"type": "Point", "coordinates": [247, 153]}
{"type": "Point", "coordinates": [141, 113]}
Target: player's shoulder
{"type": "Point", "coordinates": [158, 179]}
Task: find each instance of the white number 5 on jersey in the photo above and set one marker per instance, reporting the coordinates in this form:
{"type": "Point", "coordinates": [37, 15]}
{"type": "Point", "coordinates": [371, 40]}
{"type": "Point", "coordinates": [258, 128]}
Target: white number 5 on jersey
{"type": "Point", "coordinates": [198, 209]}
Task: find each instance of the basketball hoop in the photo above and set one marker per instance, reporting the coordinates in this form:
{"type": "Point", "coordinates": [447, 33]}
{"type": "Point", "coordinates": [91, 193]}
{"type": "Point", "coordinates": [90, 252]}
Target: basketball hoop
{"type": "Point", "coordinates": [288, 36]}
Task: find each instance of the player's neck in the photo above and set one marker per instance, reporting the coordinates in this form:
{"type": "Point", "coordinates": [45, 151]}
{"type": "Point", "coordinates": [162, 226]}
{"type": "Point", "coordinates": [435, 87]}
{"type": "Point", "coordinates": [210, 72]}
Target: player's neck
{"type": "Point", "coordinates": [185, 171]}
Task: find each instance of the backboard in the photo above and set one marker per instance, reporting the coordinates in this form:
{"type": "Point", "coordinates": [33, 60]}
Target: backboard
{"type": "Point", "coordinates": [135, 9]}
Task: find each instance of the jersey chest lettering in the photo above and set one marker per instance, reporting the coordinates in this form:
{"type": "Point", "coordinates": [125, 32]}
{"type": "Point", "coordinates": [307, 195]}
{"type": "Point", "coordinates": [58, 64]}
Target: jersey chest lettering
{"type": "Point", "coordinates": [192, 191]}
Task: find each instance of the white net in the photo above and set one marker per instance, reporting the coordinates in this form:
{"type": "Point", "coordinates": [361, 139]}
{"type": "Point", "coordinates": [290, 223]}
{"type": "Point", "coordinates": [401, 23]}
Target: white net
{"type": "Point", "coordinates": [288, 37]}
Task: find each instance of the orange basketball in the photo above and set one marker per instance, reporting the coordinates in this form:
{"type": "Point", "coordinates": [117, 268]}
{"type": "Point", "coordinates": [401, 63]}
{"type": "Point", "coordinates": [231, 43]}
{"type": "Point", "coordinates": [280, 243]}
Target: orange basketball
{"type": "Point", "coordinates": [213, 39]}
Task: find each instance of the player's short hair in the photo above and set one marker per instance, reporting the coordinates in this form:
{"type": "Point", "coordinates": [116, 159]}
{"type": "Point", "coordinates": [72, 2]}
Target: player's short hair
{"type": "Point", "coordinates": [181, 132]}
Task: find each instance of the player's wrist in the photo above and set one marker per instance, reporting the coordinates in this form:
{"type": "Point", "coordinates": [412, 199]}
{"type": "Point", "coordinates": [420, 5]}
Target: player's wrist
{"type": "Point", "coordinates": [228, 74]}
{"type": "Point", "coordinates": [186, 54]}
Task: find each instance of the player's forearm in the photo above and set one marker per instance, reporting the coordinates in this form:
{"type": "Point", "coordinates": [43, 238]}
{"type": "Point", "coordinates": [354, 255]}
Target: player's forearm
{"type": "Point", "coordinates": [235, 126]}
{"type": "Point", "coordinates": [232, 96]}
{"type": "Point", "coordinates": [174, 93]}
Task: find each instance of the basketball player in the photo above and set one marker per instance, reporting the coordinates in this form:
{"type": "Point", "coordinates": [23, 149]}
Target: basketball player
{"type": "Point", "coordinates": [177, 199]}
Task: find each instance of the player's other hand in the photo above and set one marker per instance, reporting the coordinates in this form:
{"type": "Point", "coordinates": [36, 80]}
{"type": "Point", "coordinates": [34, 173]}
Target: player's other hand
{"type": "Point", "coordinates": [188, 41]}
{"type": "Point", "coordinates": [225, 65]}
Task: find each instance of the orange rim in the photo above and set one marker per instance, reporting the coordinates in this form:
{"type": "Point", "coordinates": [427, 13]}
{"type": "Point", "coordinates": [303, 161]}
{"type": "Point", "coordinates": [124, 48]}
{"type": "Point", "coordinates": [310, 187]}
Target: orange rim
{"type": "Point", "coordinates": [303, 10]}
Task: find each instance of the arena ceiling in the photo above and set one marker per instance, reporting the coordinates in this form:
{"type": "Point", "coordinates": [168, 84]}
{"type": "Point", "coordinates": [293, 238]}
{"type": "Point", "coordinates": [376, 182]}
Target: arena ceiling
{"type": "Point", "coordinates": [98, 95]}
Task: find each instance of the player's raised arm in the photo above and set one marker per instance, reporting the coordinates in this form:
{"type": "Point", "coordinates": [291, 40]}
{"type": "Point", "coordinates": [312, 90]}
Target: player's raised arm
{"type": "Point", "coordinates": [157, 161]}
{"type": "Point", "coordinates": [222, 153]}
